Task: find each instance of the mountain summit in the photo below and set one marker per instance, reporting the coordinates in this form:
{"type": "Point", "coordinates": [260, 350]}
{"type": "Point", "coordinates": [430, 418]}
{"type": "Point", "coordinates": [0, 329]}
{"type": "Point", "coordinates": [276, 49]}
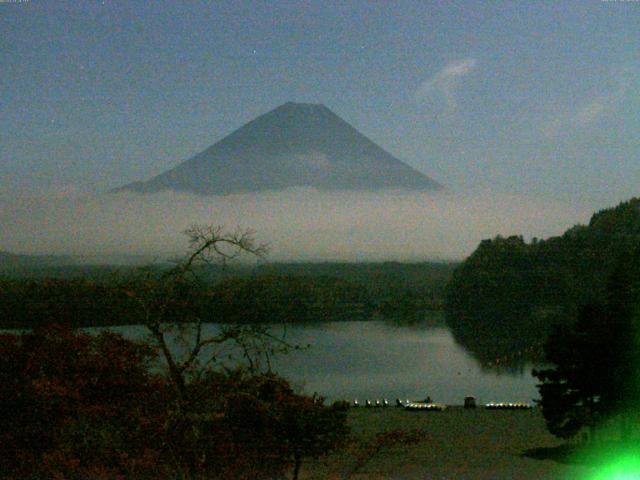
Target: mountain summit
{"type": "Point", "coordinates": [297, 144]}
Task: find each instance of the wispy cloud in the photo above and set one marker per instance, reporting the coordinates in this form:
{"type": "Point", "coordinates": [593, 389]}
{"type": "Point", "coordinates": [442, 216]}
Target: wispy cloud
{"type": "Point", "coordinates": [592, 109]}
{"type": "Point", "coordinates": [443, 84]}
{"type": "Point", "coordinates": [584, 116]}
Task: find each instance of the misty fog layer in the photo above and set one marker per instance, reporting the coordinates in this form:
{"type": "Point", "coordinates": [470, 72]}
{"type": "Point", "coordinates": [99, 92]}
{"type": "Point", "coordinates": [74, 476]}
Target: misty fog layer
{"type": "Point", "coordinates": [299, 224]}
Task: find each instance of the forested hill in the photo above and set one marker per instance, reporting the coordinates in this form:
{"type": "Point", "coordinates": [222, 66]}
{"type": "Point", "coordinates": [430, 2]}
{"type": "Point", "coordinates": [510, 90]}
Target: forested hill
{"type": "Point", "coordinates": [17, 263]}
{"type": "Point", "coordinates": [503, 300]}
{"type": "Point", "coordinates": [271, 293]}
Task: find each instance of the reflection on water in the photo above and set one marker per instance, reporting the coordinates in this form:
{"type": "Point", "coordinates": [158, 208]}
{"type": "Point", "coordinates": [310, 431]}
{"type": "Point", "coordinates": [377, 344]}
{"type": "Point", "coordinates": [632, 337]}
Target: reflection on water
{"type": "Point", "coordinates": [377, 359]}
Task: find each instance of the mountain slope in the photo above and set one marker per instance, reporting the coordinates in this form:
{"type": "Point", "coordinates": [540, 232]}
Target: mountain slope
{"type": "Point", "coordinates": [294, 145]}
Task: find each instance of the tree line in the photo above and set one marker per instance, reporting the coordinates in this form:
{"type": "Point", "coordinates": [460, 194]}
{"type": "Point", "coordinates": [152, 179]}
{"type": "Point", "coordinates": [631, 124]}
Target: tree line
{"type": "Point", "coordinates": [289, 293]}
{"type": "Point", "coordinates": [504, 300]}
{"type": "Point", "coordinates": [571, 302]}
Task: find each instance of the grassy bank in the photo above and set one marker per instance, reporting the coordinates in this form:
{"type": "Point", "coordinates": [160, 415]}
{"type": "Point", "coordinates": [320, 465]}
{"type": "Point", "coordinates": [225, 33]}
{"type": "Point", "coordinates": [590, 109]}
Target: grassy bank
{"type": "Point", "coordinates": [455, 444]}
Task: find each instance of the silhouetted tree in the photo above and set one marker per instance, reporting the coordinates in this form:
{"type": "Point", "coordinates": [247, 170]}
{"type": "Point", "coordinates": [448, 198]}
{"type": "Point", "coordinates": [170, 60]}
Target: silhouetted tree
{"type": "Point", "coordinates": [205, 433]}
{"type": "Point", "coordinates": [597, 360]}
{"type": "Point", "coordinates": [572, 392]}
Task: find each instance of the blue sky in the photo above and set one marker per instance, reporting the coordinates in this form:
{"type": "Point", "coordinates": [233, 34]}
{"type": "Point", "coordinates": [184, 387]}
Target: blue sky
{"type": "Point", "coordinates": [524, 97]}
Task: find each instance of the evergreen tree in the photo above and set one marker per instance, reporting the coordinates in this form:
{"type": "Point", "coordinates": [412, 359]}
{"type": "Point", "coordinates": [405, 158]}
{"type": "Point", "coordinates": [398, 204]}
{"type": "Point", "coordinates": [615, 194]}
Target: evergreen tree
{"type": "Point", "coordinates": [597, 360]}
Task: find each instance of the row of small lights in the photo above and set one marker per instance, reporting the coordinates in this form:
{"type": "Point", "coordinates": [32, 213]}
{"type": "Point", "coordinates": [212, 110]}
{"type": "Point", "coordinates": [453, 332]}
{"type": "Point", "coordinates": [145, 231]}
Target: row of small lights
{"type": "Point", "coordinates": [513, 406]}
{"type": "Point", "coordinates": [384, 403]}
{"type": "Point", "coordinates": [435, 406]}
{"type": "Point", "coordinates": [425, 406]}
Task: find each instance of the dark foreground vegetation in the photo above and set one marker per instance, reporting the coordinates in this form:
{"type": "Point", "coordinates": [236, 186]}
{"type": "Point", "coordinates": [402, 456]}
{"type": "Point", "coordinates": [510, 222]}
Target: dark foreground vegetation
{"type": "Point", "coordinates": [589, 393]}
{"type": "Point", "coordinates": [594, 377]}
{"type": "Point", "coordinates": [76, 406]}
{"type": "Point", "coordinates": [506, 298]}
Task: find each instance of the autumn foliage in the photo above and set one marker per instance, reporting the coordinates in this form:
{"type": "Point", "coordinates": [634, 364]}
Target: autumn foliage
{"type": "Point", "coordinates": [75, 405]}
{"type": "Point", "coordinates": [79, 406]}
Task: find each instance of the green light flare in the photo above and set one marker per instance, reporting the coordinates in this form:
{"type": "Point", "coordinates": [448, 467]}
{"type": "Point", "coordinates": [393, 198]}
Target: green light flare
{"type": "Point", "coordinates": [621, 466]}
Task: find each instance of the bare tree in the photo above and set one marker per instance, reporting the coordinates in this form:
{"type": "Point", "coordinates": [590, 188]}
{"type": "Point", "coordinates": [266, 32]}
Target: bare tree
{"type": "Point", "coordinates": [169, 307]}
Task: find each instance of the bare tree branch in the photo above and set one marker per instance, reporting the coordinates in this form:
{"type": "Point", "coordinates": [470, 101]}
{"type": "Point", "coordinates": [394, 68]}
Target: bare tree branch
{"type": "Point", "coordinates": [155, 296]}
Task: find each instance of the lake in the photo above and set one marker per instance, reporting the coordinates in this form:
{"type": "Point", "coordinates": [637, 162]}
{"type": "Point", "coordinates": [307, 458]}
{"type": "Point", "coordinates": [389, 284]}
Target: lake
{"type": "Point", "coordinates": [378, 359]}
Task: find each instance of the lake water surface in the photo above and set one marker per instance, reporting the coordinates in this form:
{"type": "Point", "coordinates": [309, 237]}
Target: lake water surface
{"type": "Point", "coordinates": [377, 359]}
